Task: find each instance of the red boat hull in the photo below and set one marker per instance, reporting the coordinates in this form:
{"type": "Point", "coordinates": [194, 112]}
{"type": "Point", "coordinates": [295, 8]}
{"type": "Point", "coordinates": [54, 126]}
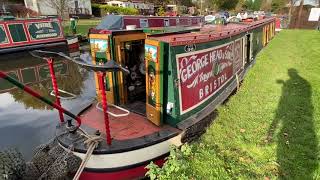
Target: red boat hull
{"type": "Point", "coordinates": [131, 173]}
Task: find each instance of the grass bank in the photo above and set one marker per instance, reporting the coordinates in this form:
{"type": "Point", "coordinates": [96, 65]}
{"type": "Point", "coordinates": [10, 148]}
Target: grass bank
{"type": "Point", "coordinates": [271, 128]}
{"type": "Point", "coordinates": [83, 26]}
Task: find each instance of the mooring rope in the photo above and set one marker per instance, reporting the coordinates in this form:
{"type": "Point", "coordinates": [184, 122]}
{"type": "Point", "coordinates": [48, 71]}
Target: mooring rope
{"type": "Point", "coordinates": [92, 142]}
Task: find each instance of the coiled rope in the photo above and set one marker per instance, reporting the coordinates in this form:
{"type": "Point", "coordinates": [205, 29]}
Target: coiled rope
{"type": "Point", "coordinates": [92, 142]}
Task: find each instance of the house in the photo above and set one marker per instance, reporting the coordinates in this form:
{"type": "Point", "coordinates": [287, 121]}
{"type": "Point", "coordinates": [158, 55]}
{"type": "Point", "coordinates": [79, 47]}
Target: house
{"type": "Point", "coordinates": [142, 7]}
{"type": "Point", "coordinates": [81, 8]}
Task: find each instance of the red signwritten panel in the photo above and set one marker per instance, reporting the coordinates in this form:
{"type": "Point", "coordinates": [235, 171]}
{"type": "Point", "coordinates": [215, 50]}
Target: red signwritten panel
{"type": "Point", "coordinates": [203, 73]}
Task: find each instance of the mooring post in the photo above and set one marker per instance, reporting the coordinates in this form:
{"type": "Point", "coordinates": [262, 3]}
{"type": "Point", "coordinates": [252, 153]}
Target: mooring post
{"type": "Point", "coordinates": [102, 76]}
{"type": "Point", "coordinates": [55, 86]}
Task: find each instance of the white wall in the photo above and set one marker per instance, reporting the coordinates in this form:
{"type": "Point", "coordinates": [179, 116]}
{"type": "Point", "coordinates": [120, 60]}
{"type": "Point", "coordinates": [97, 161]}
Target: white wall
{"type": "Point", "coordinates": [45, 9]}
{"type": "Point", "coordinates": [31, 4]}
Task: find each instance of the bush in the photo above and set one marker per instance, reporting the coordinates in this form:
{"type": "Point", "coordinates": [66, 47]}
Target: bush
{"type": "Point", "coordinates": [195, 161]}
{"type": "Point", "coordinates": [105, 9]}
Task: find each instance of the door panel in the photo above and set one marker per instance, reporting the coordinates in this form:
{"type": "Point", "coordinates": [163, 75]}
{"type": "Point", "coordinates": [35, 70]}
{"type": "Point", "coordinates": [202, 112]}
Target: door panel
{"type": "Point", "coordinates": [100, 52]}
{"type": "Point", "coordinates": [153, 81]}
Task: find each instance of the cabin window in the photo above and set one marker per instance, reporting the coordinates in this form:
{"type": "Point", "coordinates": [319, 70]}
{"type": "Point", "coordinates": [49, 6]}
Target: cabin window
{"type": "Point", "coordinates": [177, 21]}
{"type": "Point", "coordinates": [189, 21]}
{"type": "Point", "coordinates": [3, 35]}
{"type": "Point", "coordinates": [17, 32]}
{"type": "Point", "coordinates": [144, 23]}
{"type": "Point", "coordinates": [166, 22]}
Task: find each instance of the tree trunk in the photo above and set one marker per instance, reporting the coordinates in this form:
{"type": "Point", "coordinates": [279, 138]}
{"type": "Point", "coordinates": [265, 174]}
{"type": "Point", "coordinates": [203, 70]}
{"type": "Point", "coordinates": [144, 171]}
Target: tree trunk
{"type": "Point", "coordinates": [290, 14]}
{"type": "Point", "coordinates": [298, 25]}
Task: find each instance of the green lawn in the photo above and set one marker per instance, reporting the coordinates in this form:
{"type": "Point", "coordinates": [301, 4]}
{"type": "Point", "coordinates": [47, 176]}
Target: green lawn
{"type": "Point", "coordinates": [271, 127]}
{"type": "Point", "coordinates": [83, 26]}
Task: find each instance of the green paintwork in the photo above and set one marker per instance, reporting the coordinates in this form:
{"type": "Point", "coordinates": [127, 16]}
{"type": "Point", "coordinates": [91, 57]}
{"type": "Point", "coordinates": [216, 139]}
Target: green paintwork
{"type": "Point", "coordinates": [101, 57]}
{"type": "Point", "coordinates": [169, 92]}
{"type": "Point", "coordinates": [3, 36]}
{"type": "Point", "coordinates": [17, 32]}
{"type": "Point", "coordinates": [219, 21]}
{"type": "Point", "coordinates": [6, 18]}
{"type": "Point", "coordinates": [44, 30]}
{"type": "Point", "coordinates": [257, 41]}
{"type": "Point", "coordinates": [114, 74]}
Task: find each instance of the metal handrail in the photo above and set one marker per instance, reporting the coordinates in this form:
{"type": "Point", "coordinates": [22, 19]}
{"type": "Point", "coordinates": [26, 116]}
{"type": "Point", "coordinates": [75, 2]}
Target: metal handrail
{"type": "Point", "coordinates": [109, 66]}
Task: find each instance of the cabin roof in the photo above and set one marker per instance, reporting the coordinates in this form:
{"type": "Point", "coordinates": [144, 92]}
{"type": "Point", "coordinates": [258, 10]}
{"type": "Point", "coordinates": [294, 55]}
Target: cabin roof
{"type": "Point", "coordinates": [211, 33]}
{"type": "Point", "coordinates": [111, 22]}
{"type": "Point", "coordinates": [171, 29]}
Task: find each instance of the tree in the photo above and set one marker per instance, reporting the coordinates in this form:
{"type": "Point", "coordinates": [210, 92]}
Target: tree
{"type": "Point", "coordinates": [266, 5]}
{"type": "Point", "coordinates": [253, 4]}
{"type": "Point", "coordinates": [300, 13]}
{"type": "Point", "coordinates": [161, 11]}
{"type": "Point", "coordinates": [61, 6]}
{"type": "Point", "coordinates": [225, 4]}
{"type": "Point", "coordinates": [278, 5]}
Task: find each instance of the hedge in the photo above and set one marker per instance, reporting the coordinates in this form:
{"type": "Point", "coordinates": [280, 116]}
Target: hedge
{"type": "Point", "coordinates": [105, 9]}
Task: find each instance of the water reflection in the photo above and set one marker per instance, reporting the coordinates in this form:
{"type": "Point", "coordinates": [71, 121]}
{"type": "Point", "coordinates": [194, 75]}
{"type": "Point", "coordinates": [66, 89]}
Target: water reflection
{"type": "Point", "coordinates": [26, 122]}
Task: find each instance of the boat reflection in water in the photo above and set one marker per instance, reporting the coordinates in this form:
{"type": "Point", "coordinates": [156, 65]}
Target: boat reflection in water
{"type": "Point", "coordinates": [27, 121]}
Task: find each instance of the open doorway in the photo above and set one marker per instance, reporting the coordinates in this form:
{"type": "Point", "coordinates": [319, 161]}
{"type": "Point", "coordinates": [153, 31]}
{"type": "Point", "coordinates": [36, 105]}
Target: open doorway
{"type": "Point", "coordinates": [135, 81]}
{"type": "Point", "coordinates": [248, 48]}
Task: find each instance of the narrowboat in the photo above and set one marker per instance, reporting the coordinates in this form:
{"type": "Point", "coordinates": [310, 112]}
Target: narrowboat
{"type": "Point", "coordinates": [25, 34]}
{"type": "Point", "coordinates": [117, 22]}
{"type": "Point", "coordinates": [176, 79]}
{"type": "Point", "coordinates": [156, 87]}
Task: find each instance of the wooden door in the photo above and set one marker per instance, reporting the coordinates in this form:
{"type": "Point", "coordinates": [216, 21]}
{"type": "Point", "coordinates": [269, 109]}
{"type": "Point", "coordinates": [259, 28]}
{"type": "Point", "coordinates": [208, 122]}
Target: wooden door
{"type": "Point", "coordinates": [153, 81]}
{"type": "Point", "coordinates": [100, 52]}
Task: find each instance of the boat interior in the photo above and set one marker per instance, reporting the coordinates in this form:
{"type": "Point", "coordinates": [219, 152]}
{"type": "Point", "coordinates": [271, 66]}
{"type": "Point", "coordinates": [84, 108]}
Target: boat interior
{"type": "Point", "coordinates": [135, 82]}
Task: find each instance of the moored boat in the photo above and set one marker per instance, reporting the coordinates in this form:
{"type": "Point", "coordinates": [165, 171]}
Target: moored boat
{"type": "Point", "coordinates": [156, 87]}
{"type": "Point", "coordinates": [117, 22]}
{"type": "Point", "coordinates": [177, 78]}
{"type": "Point", "coordinates": [26, 34]}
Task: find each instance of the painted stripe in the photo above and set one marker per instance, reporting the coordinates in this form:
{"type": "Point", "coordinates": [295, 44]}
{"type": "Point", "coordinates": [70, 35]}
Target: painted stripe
{"type": "Point", "coordinates": [126, 174]}
{"type": "Point", "coordinates": [130, 158]}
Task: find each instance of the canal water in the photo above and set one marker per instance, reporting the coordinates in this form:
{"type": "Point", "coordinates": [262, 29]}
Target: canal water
{"type": "Point", "coordinates": [26, 122]}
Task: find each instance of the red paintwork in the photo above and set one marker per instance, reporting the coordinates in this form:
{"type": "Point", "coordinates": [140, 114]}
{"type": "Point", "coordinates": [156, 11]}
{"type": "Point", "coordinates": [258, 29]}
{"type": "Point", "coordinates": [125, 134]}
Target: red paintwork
{"type": "Point", "coordinates": [74, 46]}
{"type": "Point", "coordinates": [127, 127]}
{"type": "Point", "coordinates": [29, 41]}
{"type": "Point", "coordinates": [158, 21]}
{"type": "Point", "coordinates": [55, 86]}
{"type": "Point", "coordinates": [134, 173]}
{"type": "Point", "coordinates": [102, 76]}
{"type": "Point", "coordinates": [212, 33]}
{"type": "Point", "coordinates": [192, 96]}
{"type": "Point", "coordinates": [278, 23]}
{"type": "Point", "coordinates": [173, 22]}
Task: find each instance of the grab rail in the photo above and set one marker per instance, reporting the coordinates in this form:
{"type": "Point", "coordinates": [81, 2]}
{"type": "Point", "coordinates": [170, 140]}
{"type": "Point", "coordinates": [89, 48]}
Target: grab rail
{"type": "Point", "coordinates": [72, 96]}
{"type": "Point", "coordinates": [117, 107]}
